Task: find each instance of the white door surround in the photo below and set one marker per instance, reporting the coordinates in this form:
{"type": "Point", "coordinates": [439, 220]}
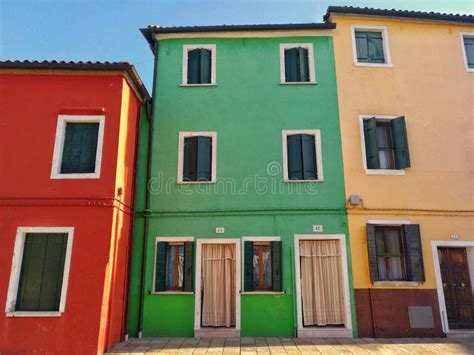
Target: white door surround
{"type": "Point", "coordinates": [323, 332]}
{"type": "Point", "coordinates": [439, 283]}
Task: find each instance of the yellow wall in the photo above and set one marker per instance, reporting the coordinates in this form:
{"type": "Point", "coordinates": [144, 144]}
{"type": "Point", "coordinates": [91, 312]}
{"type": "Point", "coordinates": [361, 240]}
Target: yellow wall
{"type": "Point", "coordinates": [429, 85]}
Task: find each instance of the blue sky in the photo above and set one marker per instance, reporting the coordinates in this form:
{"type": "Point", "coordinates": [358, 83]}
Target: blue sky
{"type": "Point", "coordinates": [107, 30]}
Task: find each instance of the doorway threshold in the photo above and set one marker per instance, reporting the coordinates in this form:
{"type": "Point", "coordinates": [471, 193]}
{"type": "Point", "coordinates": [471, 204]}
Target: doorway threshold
{"type": "Point", "coordinates": [460, 333]}
{"type": "Point", "coordinates": [329, 332]}
{"type": "Point", "coordinates": [217, 333]}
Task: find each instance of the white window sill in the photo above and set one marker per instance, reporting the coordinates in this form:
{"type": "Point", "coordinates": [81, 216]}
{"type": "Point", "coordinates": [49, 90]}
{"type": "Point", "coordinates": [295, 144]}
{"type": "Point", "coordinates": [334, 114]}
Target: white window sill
{"type": "Point", "coordinates": [470, 70]}
{"type": "Point", "coordinates": [288, 180]}
{"type": "Point", "coordinates": [196, 182]}
{"type": "Point", "coordinates": [76, 176]}
{"type": "Point", "coordinates": [262, 292]}
{"type": "Point", "coordinates": [374, 65]}
{"type": "Point", "coordinates": [397, 172]}
{"type": "Point", "coordinates": [172, 293]}
{"type": "Point", "coordinates": [196, 85]}
{"type": "Point", "coordinates": [299, 83]}
{"type": "Point", "coordinates": [33, 314]}
{"type": "Point", "coordinates": [396, 283]}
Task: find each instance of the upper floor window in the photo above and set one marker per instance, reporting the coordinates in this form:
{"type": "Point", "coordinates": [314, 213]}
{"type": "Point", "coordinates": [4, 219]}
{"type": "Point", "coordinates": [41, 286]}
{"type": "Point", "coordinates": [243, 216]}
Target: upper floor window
{"type": "Point", "coordinates": [197, 157]}
{"type": "Point", "coordinates": [199, 65]}
{"type": "Point", "coordinates": [467, 41]}
{"type": "Point", "coordinates": [385, 145]}
{"type": "Point", "coordinates": [370, 46]}
{"type": "Point", "coordinates": [297, 63]}
{"type": "Point", "coordinates": [78, 147]}
{"type": "Point", "coordinates": [302, 158]}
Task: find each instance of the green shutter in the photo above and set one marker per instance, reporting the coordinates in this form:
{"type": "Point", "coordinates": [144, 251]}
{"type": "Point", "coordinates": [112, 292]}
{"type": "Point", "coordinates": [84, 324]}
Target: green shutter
{"type": "Point", "coordinates": [375, 47]}
{"type": "Point", "coordinates": [294, 157]}
{"type": "Point", "coordinates": [303, 64]}
{"type": "Point", "coordinates": [190, 159]}
{"type": "Point", "coordinates": [413, 252]}
{"type": "Point", "coordinates": [205, 66]}
{"type": "Point", "coordinates": [361, 47]}
{"type": "Point", "coordinates": [291, 70]}
{"type": "Point", "coordinates": [194, 66]}
{"type": "Point", "coordinates": [204, 159]}
{"type": "Point", "coordinates": [469, 49]}
{"type": "Point", "coordinates": [277, 284]}
{"type": "Point", "coordinates": [309, 157]}
{"type": "Point", "coordinates": [160, 270]}
{"type": "Point", "coordinates": [372, 251]}
{"type": "Point", "coordinates": [371, 149]}
{"type": "Point", "coordinates": [79, 148]}
{"type": "Point", "coordinates": [188, 276]}
{"type": "Point", "coordinates": [400, 142]}
{"type": "Point", "coordinates": [248, 266]}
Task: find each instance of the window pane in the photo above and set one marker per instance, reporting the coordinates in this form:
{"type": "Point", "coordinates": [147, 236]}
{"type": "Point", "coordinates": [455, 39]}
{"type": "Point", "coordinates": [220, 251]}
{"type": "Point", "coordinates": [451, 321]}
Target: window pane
{"type": "Point", "coordinates": [395, 268]}
{"type": "Point", "coordinates": [256, 268]}
{"type": "Point", "coordinates": [393, 241]}
{"type": "Point", "coordinates": [379, 240]}
{"type": "Point", "coordinates": [170, 267]}
{"type": "Point", "coordinates": [174, 267]}
{"type": "Point", "coordinates": [267, 267]}
{"type": "Point", "coordinates": [382, 268]}
{"type": "Point", "coordinates": [79, 148]}
{"type": "Point", "coordinates": [469, 48]}
{"type": "Point", "coordinates": [181, 266]}
{"type": "Point", "coordinates": [262, 267]}
{"type": "Point", "coordinates": [385, 145]}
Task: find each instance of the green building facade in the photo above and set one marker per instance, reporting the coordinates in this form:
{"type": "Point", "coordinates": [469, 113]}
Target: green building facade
{"type": "Point", "coordinates": [244, 164]}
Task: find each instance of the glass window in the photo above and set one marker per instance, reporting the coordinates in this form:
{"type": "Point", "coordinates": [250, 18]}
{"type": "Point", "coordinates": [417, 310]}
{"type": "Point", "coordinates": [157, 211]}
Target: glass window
{"type": "Point", "coordinates": [390, 255]}
{"type": "Point", "coordinates": [385, 145]}
{"type": "Point", "coordinates": [262, 266]}
{"type": "Point", "coordinates": [174, 267]}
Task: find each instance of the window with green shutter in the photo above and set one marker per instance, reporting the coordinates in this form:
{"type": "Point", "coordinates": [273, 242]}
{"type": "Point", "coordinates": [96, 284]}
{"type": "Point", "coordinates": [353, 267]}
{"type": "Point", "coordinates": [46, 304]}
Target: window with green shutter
{"type": "Point", "coordinates": [262, 266]}
{"type": "Point", "coordinates": [370, 47]}
{"type": "Point", "coordinates": [41, 274]}
{"type": "Point", "coordinates": [301, 156]}
{"type": "Point", "coordinates": [174, 266]}
{"type": "Point", "coordinates": [199, 66]}
{"type": "Point", "coordinates": [197, 158]}
{"type": "Point", "coordinates": [469, 51]}
{"type": "Point", "coordinates": [297, 65]}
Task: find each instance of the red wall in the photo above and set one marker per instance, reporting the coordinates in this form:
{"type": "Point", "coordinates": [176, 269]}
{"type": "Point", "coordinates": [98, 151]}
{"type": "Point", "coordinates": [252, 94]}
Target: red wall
{"type": "Point", "coordinates": [95, 303]}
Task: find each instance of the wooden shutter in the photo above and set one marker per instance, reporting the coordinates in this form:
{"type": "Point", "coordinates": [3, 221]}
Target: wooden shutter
{"type": "Point", "coordinates": [309, 157]}
{"type": "Point", "coordinates": [160, 267]}
{"type": "Point", "coordinates": [400, 142]}
{"type": "Point", "coordinates": [188, 276]}
{"type": "Point", "coordinates": [194, 66]}
{"type": "Point", "coordinates": [41, 274]}
{"type": "Point", "coordinates": [413, 252]}
{"type": "Point", "coordinates": [371, 149]}
{"type": "Point", "coordinates": [469, 49]}
{"type": "Point", "coordinates": [205, 66]}
{"type": "Point", "coordinates": [277, 284]}
{"type": "Point", "coordinates": [79, 148]}
{"type": "Point", "coordinates": [204, 159]}
{"type": "Point", "coordinates": [372, 251]}
{"type": "Point", "coordinates": [375, 47]}
{"type": "Point", "coordinates": [294, 157]}
{"type": "Point", "coordinates": [291, 65]}
{"type": "Point", "coordinates": [190, 159]}
{"type": "Point", "coordinates": [248, 266]}
{"type": "Point", "coordinates": [303, 64]}
{"type": "Point", "coordinates": [361, 47]}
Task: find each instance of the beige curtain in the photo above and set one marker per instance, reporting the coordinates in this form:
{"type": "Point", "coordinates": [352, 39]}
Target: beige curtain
{"type": "Point", "coordinates": [321, 282]}
{"type": "Point", "coordinates": [218, 280]}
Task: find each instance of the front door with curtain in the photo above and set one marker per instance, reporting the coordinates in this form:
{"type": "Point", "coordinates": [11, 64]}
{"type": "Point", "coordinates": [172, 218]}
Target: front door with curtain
{"type": "Point", "coordinates": [218, 285]}
{"type": "Point", "coordinates": [322, 286]}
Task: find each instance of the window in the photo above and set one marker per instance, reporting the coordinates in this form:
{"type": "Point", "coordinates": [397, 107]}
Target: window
{"type": "Point", "coordinates": [385, 144]}
{"type": "Point", "coordinates": [199, 65]}
{"type": "Point", "coordinates": [467, 42]}
{"type": "Point", "coordinates": [395, 252]}
{"type": "Point", "coordinates": [174, 264]}
{"type": "Point", "coordinates": [78, 147]}
{"type": "Point", "coordinates": [40, 271]}
{"type": "Point", "coordinates": [302, 158]}
{"type": "Point", "coordinates": [370, 46]}
{"type": "Point", "coordinates": [197, 157]}
{"type": "Point", "coordinates": [297, 63]}
{"type": "Point", "coordinates": [262, 264]}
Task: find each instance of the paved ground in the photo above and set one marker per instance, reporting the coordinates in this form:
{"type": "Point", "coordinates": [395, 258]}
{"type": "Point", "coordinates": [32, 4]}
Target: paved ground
{"type": "Point", "coordinates": [261, 346]}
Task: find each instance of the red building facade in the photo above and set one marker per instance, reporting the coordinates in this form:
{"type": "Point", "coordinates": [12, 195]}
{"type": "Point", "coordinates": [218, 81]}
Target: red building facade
{"type": "Point", "coordinates": [68, 134]}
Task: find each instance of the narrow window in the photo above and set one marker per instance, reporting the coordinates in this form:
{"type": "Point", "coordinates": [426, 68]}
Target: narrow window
{"type": "Point", "coordinates": [296, 65]}
{"type": "Point", "coordinates": [390, 256]}
{"type": "Point", "coordinates": [199, 66]}
{"type": "Point", "coordinates": [369, 47]}
{"type": "Point", "coordinates": [175, 266]}
{"type": "Point", "coordinates": [301, 155]}
{"type": "Point", "coordinates": [197, 161]}
{"type": "Point", "coordinates": [262, 266]}
{"type": "Point", "coordinates": [469, 51]}
{"type": "Point", "coordinates": [80, 148]}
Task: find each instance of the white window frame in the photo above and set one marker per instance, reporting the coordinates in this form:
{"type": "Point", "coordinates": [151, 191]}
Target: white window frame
{"type": "Point", "coordinates": [182, 136]}
{"type": "Point", "coordinates": [59, 145]}
{"type": "Point", "coordinates": [16, 270]}
{"type": "Point", "coordinates": [395, 172]}
{"type": "Point", "coordinates": [190, 47]}
{"type": "Point", "coordinates": [168, 240]}
{"type": "Point", "coordinates": [386, 46]}
{"type": "Point", "coordinates": [319, 155]}
{"type": "Point", "coordinates": [257, 239]}
{"type": "Point", "coordinates": [464, 35]}
{"type": "Point", "coordinates": [312, 74]}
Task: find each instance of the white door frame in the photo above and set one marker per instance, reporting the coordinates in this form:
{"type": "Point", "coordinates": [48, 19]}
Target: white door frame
{"type": "Point", "coordinates": [197, 303]}
{"type": "Point", "coordinates": [345, 279]}
{"type": "Point", "coordinates": [437, 268]}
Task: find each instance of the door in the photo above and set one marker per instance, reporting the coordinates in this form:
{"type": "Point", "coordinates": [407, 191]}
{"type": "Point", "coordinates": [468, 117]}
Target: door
{"type": "Point", "coordinates": [322, 287]}
{"type": "Point", "coordinates": [218, 285]}
{"type": "Point", "coordinates": [457, 287]}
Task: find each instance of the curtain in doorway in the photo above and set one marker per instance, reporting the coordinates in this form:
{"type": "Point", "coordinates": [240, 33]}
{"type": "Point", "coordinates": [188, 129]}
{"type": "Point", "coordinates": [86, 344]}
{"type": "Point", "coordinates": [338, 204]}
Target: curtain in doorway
{"type": "Point", "coordinates": [321, 282]}
{"type": "Point", "coordinates": [218, 280]}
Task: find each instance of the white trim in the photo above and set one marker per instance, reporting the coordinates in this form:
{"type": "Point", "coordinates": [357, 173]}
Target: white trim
{"type": "Point", "coordinates": [396, 283]}
{"type": "Point", "coordinates": [464, 54]}
{"type": "Point", "coordinates": [389, 222]}
{"type": "Point", "coordinates": [308, 331]}
{"type": "Point", "coordinates": [262, 292]}
{"type": "Point", "coordinates": [386, 47]}
{"type": "Point", "coordinates": [59, 145]}
{"type": "Point", "coordinates": [439, 283]}
{"type": "Point", "coordinates": [190, 47]}
{"type": "Point", "coordinates": [312, 75]}
{"type": "Point", "coordinates": [319, 154]}
{"type": "Point", "coordinates": [16, 269]}
{"type": "Point", "coordinates": [395, 172]}
{"type": "Point", "coordinates": [167, 239]}
{"type": "Point", "coordinates": [182, 136]}
{"type": "Point", "coordinates": [198, 268]}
